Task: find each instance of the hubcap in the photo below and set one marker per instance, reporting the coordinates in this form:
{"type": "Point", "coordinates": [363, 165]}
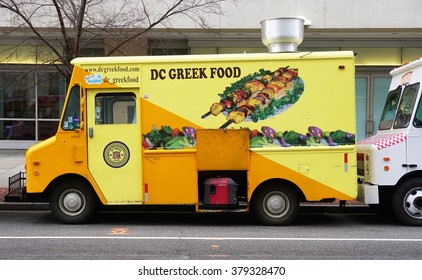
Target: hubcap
{"type": "Point", "coordinates": [276, 204]}
{"type": "Point", "coordinates": [413, 203]}
{"type": "Point", "coordinates": [72, 202]}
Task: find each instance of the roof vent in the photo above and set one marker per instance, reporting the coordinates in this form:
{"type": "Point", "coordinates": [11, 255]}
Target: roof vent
{"type": "Point", "coordinates": [282, 34]}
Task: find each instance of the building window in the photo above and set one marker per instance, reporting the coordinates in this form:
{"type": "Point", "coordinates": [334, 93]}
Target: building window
{"type": "Point", "coordinates": [30, 103]}
{"type": "Point", "coordinates": [168, 47]}
{"type": "Point", "coordinates": [50, 98]}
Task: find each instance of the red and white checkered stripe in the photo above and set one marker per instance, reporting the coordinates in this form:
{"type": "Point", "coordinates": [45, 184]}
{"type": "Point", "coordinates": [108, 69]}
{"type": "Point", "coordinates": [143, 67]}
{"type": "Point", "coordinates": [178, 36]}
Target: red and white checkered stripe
{"type": "Point", "coordinates": [390, 141]}
{"type": "Point", "coordinates": [383, 141]}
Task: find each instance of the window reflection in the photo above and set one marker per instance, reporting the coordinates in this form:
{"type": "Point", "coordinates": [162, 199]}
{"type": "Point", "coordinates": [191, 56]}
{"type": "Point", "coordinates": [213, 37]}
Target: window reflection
{"type": "Point", "coordinates": [17, 96]}
{"type": "Point", "coordinates": [390, 109]}
{"type": "Point", "coordinates": [46, 129]}
{"type": "Point", "coordinates": [51, 93]}
{"type": "Point", "coordinates": [407, 103]}
{"type": "Point", "coordinates": [30, 104]}
{"type": "Point", "coordinates": [115, 108]}
{"type": "Point", "coordinates": [19, 130]}
{"type": "Point", "coordinates": [71, 119]}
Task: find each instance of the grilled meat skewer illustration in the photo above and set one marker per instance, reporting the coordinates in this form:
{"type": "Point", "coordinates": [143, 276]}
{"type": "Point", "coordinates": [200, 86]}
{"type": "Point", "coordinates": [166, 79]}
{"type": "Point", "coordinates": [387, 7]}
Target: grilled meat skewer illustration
{"type": "Point", "coordinates": [254, 91]}
{"type": "Point", "coordinates": [238, 115]}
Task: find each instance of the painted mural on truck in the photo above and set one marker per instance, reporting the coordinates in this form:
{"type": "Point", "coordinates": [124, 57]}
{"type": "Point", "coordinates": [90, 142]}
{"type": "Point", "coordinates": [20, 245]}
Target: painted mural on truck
{"type": "Point", "coordinates": [258, 96]}
{"type": "Point", "coordinates": [175, 138]}
{"type": "Point", "coordinates": [253, 98]}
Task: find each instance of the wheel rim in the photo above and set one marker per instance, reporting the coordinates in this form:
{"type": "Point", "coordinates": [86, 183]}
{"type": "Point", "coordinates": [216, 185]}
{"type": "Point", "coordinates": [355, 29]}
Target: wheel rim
{"type": "Point", "coordinates": [72, 202]}
{"type": "Point", "coordinates": [276, 204]}
{"type": "Point", "coordinates": [413, 203]}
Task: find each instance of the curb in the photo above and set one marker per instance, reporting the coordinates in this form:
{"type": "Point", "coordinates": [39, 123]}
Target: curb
{"type": "Point", "coordinates": [24, 206]}
{"type": "Point", "coordinates": [304, 208]}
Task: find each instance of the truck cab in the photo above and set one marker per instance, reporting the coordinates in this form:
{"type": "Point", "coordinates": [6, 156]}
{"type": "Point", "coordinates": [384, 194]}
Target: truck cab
{"type": "Point", "coordinates": [390, 162]}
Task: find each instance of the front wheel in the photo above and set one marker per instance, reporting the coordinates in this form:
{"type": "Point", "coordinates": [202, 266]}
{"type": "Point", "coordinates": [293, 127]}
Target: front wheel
{"type": "Point", "coordinates": [277, 206]}
{"type": "Point", "coordinates": [72, 202]}
{"type": "Point", "coordinates": [407, 202]}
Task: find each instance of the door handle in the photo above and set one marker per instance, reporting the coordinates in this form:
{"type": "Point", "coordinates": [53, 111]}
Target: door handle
{"type": "Point", "coordinates": [412, 165]}
{"type": "Point", "coordinates": [90, 132]}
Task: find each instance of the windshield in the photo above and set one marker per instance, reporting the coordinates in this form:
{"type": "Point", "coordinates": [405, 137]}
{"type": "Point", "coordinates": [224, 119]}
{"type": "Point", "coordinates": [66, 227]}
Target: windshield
{"type": "Point", "coordinates": [399, 107]}
{"type": "Point", "coordinates": [406, 106]}
{"type": "Point", "coordinates": [71, 120]}
{"type": "Point", "coordinates": [390, 109]}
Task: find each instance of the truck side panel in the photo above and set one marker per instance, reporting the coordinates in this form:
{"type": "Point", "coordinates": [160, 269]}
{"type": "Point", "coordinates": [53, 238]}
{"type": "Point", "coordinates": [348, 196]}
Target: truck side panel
{"type": "Point", "coordinates": [298, 107]}
{"type": "Point", "coordinates": [170, 177]}
{"type": "Point", "coordinates": [173, 97]}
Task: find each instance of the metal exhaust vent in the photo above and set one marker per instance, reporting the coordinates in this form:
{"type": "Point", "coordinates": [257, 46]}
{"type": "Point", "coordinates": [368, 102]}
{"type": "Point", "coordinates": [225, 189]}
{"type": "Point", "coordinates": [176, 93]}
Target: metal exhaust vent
{"type": "Point", "coordinates": [282, 34]}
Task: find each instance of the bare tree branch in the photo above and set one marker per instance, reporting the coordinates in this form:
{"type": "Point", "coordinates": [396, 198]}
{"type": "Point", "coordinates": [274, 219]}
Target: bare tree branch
{"type": "Point", "coordinates": [82, 23]}
{"type": "Point", "coordinates": [62, 26]}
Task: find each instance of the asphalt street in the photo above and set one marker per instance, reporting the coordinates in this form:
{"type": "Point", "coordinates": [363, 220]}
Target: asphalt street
{"type": "Point", "coordinates": [186, 236]}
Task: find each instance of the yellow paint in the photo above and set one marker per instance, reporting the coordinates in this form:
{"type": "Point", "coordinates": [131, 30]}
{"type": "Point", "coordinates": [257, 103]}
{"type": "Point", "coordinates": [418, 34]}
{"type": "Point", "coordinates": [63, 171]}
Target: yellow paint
{"type": "Point", "coordinates": [216, 147]}
{"type": "Point", "coordinates": [171, 176]}
{"type": "Point", "coordinates": [54, 158]}
{"type": "Point", "coordinates": [318, 172]}
{"type": "Point", "coordinates": [119, 184]}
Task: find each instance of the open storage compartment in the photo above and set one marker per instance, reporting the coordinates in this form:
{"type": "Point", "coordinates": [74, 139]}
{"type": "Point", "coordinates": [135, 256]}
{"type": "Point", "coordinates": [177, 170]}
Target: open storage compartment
{"type": "Point", "coordinates": [222, 189]}
{"type": "Point", "coordinates": [222, 164]}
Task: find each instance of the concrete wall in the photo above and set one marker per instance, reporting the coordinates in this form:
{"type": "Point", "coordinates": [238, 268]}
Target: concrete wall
{"type": "Point", "coordinates": [324, 14]}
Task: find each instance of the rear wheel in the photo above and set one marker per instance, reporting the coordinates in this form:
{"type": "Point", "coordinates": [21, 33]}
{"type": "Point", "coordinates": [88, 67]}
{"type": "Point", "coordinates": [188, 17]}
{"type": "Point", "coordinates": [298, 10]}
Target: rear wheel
{"type": "Point", "coordinates": [72, 202]}
{"type": "Point", "coordinates": [407, 202]}
{"type": "Point", "coordinates": [274, 205]}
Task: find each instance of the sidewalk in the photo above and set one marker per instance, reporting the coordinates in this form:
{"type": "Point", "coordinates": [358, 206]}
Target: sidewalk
{"type": "Point", "coordinates": [11, 163]}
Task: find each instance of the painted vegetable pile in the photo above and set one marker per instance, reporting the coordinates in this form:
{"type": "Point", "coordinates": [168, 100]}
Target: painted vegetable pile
{"type": "Point", "coordinates": [169, 139]}
{"type": "Point", "coordinates": [314, 137]}
{"type": "Point", "coordinates": [175, 138]}
{"type": "Point", "coordinates": [258, 96]}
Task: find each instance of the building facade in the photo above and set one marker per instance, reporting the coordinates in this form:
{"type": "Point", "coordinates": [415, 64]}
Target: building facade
{"type": "Point", "coordinates": [383, 34]}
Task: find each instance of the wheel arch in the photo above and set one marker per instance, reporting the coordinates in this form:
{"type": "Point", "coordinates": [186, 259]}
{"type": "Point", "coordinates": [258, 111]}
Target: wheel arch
{"type": "Point", "coordinates": [67, 177]}
{"type": "Point", "coordinates": [390, 190]}
{"type": "Point", "coordinates": [408, 176]}
{"type": "Point", "coordinates": [281, 183]}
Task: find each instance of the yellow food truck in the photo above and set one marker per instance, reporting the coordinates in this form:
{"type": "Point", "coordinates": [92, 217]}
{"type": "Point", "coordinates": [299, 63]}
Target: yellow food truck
{"type": "Point", "coordinates": [210, 133]}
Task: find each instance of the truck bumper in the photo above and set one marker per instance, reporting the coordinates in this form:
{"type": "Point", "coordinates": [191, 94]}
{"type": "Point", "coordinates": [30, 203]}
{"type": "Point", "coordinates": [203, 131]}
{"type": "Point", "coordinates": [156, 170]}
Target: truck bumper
{"type": "Point", "coordinates": [368, 194]}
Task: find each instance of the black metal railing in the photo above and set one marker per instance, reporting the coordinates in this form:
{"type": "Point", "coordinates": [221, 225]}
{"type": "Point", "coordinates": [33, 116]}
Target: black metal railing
{"type": "Point", "coordinates": [17, 184]}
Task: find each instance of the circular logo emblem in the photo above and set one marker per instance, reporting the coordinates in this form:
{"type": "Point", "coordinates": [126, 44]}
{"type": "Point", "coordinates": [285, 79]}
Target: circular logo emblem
{"type": "Point", "coordinates": [116, 154]}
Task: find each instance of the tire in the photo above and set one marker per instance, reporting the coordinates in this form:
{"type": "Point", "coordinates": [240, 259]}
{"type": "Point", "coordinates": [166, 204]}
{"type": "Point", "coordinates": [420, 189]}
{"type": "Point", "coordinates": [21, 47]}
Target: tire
{"type": "Point", "coordinates": [276, 206]}
{"type": "Point", "coordinates": [72, 202]}
{"type": "Point", "coordinates": [407, 202]}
